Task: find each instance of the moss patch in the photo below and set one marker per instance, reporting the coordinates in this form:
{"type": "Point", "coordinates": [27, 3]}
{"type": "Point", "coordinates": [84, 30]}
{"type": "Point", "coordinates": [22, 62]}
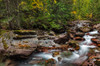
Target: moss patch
{"type": "Point", "coordinates": [4, 43]}
{"type": "Point", "coordinates": [97, 22]}
{"type": "Point", "coordinates": [2, 31]}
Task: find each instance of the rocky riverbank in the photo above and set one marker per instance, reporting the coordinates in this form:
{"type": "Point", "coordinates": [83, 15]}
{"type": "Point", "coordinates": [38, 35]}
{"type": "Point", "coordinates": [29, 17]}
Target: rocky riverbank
{"type": "Point", "coordinates": [37, 44]}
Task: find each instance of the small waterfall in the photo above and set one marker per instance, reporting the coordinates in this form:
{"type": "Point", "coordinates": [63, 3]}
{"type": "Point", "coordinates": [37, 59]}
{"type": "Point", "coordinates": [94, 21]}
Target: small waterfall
{"type": "Point", "coordinates": [87, 39]}
{"type": "Point", "coordinates": [94, 32]}
{"type": "Point", "coordinates": [76, 56]}
{"type": "Point", "coordinates": [84, 48]}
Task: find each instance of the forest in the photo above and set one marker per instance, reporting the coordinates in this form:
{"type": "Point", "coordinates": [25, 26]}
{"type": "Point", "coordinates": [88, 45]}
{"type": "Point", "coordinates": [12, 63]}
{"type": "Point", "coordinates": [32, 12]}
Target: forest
{"type": "Point", "coordinates": [49, 32]}
{"type": "Point", "coordinates": [46, 14]}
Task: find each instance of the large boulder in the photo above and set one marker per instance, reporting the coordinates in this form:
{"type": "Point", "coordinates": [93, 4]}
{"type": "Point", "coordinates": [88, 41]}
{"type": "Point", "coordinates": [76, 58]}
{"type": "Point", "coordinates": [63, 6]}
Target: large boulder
{"type": "Point", "coordinates": [62, 39]}
{"type": "Point", "coordinates": [85, 29]}
{"type": "Point", "coordinates": [21, 50]}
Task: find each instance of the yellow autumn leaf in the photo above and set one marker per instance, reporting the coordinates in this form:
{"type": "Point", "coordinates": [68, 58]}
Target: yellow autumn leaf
{"type": "Point", "coordinates": [55, 1]}
{"type": "Point", "coordinates": [22, 3]}
{"type": "Point", "coordinates": [74, 2]}
{"type": "Point", "coordinates": [79, 17]}
{"type": "Point", "coordinates": [90, 16]}
{"type": "Point", "coordinates": [73, 12]}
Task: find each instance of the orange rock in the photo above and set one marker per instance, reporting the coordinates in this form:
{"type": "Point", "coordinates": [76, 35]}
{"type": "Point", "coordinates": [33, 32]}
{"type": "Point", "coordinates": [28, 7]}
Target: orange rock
{"type": "Point", "coordinates": [78, 38]}
{"type": "Point", "coordinates": [95, 40]}
{"type": "Point", "coordinates": [98, 45]}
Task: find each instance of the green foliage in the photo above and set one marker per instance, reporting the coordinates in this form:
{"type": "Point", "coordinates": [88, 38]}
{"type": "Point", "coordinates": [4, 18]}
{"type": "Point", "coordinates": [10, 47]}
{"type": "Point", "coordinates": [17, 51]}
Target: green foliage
{"type": "Point", "coordinates": [86, 9]}
{"type": "Point", "coordinates": [46, 14]}
{"type": "Point", "coordinates": [96, 22]}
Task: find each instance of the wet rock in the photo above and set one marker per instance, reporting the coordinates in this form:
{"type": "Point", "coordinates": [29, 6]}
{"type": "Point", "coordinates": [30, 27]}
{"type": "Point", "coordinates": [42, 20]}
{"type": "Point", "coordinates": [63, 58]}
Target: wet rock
{"type": "Point", "coordinates": [58, 48]}
{"type": "Point", "coordinates": [79, 38]}
{"type": "Point", "coordinates": [95, 40]}
{"type": "Point", "coordinates": [62, 39]}
{"type": "Point", "coordinates": [71, 35]}
{"type": "Point", "coordinates": [98, 45]}
{"type": "Point", "coordinates": [80, 34]}
{"type": "Point", "coordinates": [85, 29]}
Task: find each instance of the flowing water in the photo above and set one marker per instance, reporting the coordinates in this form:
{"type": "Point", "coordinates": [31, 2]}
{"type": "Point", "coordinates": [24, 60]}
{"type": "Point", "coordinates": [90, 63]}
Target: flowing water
{"type": "Point", "coordinates": [76, 56]}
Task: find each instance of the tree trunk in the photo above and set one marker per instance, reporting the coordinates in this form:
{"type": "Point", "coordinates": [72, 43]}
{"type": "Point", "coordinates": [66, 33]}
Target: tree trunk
{"type": "Point", "coordinates": [13, 12]}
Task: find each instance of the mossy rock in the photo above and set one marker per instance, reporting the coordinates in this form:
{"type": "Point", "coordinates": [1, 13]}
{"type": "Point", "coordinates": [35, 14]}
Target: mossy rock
{"type": "Point", "coordinates": [25, 32]}
{"type": "Point", "coordinates": [73, 42]}
{"type": "Point", "coordinates": [97, 22]}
